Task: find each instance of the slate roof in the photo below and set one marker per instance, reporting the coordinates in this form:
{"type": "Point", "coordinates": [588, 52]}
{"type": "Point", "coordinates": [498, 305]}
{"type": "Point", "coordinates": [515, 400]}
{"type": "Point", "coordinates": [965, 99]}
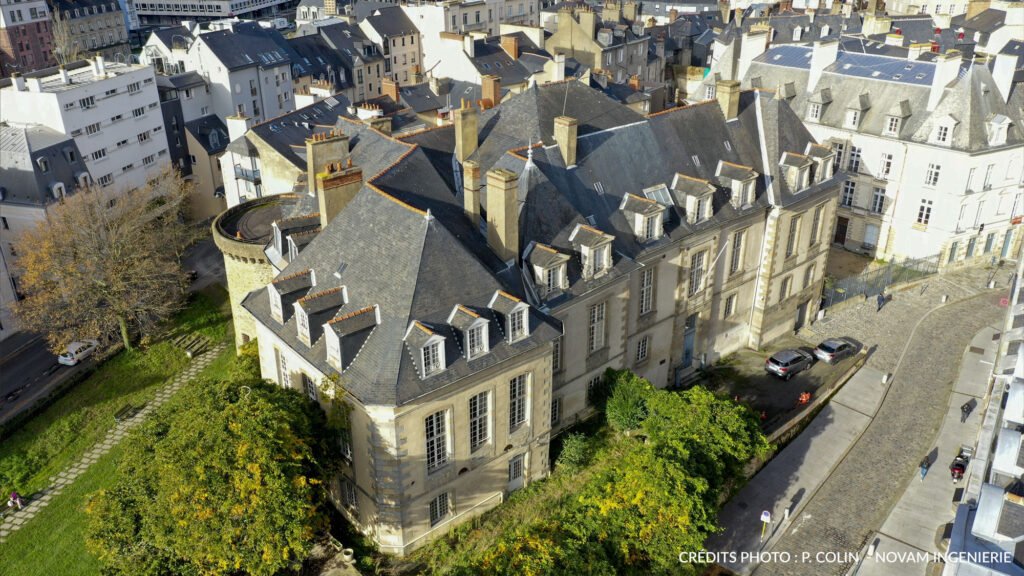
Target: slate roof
{"type": "Point", "coordinates": [248, 44]}
{"type": "Point", "coordinates": [490, 58]}
{"type": "Point", "coordinates": [21, 178]}
{"type": "Point", "coordinates": [210, 132]}
{"type": "Point", "coordinates": [168, 35]}
{"type": "Point", "coordinates": [894, 86]}
{"type": "Point", "coordinates": [350, 42]}
{"type": "Point", "coordinates": [181, 81]}
{"type": "Point", "coordinates": [391, 21]}
{"type": "Point", "coordinates": [405, 245]}
{"type": "Point", "coordinates": [316, 58]}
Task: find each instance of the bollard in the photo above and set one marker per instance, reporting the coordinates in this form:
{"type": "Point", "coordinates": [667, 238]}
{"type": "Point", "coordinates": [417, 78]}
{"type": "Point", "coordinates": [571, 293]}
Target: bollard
{"type": "Point", "coordinates": [871, 549]}
{"type": "Point", "coordinates": [785, 515]}
{"type": "Point", "coordinates": [991, 284]}
{"type": "Point", "coordinates": [945, 298]}
{"type": "Point", "coordinates": [886, 377]}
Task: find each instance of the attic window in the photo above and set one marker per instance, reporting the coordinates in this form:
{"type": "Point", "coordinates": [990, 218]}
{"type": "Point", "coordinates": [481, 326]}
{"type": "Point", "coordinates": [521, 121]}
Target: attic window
{"type": "Point", "coordinates": [852, 118]}
{"type": "Point", "coordinates": [431, 358]}
{"type": "Point", "coordinates": [476, 341]}
{"type": "Point", "coordinates": [595, 260]}
{"type": "Point", "coordinates": [998, 127]}
{"type": "Point", "coordinates": [44, 165]}
{"type": "Point", "coordinates": [516, 325]}
{"type": "Point", "coordinates": [696, 160]}
{"type": "Point", "coordinates": [728, 146]}
{"type": "Point", "coordinates": [892, 126]}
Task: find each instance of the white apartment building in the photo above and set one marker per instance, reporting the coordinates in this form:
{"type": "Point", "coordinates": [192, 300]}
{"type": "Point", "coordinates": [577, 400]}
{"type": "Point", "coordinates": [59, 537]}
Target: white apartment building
{"type": "Point", "coordinates": [932, 150]}
{"type": "Point", "coordinates": [111, 110]}
{"type": "Point", "coordinates": [173, 11]}
{"type": "Point", "coordinates": [485, 16]}
{"type": "Point", "coordinates": [247, 67]}
{"type": "Point", "coordinates": [399, 42]}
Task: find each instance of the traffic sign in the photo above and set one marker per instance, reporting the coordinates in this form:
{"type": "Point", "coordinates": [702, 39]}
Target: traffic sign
{"type": "Point", "coordinates": [766, 516]}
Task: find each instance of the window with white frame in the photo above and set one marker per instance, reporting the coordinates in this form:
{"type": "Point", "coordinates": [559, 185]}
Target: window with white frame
{"type": "Point", "coordinates": [551, 278]}
{"type": "Point", "coordinates": [516, 325]}
{"type": "Point", "coordinates": [309, 386]}
{"type": "Point", "coordinates": [517, 401]}
{"type": "Point", "coordinates": [439, 508]}
{"type": "Point", "coordinates": [642, 347]}
{"type": "Point", "coordinates": [987, 185]}
{"type": "Point", "coordinates": [931, 176]}
{"type": "Point", "coordinates": [942, 134]}
{"type": "Point", "coordinates": [595, 328]}
{"type": "Point", "coordinates": [592, 387]}
{"type": "Point", "coordinates": [736, 257]}
{"type": "Point", "coordinates": [878, 200]}
{"type": "Point", "coordinates": [730, 306]}
{"type": "Point", "coordinates": [849, 190]}
{"type": "Point", "coordinates": [348, 494]}
{"type": "Point", "coordinates": [924, 213]}
{"type": "Point", "coordinates": [794, 236]}
{"type": "Point", "coordinates": [837, 161]}
{"type": "Point", "coordinates": [816, 225]}
{"type": "Point", "coordinates": [556, 355]}
{"type": "Point", "coordinates": [886, 166]}
{"type": "Point", "coordinates": [696, 272]}
{"type": "Point", "coordinates": [476, 341]}
{"type": "Point", "coordinates": [652, 227]}
{"type": "Point", "coordinates": [852, 118]}
{"type": "Point", "coordinates": [431, 358]}
{"type": "Point", "coordinates": [515, 468]}
{"type": "Point", "coordinates": [646, 290]}
{"type": "Point", "coordinates": [892, 125]}
{"type": "Point", "coordinates": [437, 440]}
{"type": "Point", "coordinates": [854, 162]}
{"type": "Point", "coordinates": [345, 444]}
{"type": "Point", "coordinates": [709, 92]}
{"type": "Point", "coordinates": [92, 128]}
{"type": "Point", "coordinates": [814, 111]}
{"type": "Point", "coordinates": [283, 376]}
{"type": "Point", "coordinates": [598, 259]}
{"type": "Point", "coordinates": [302, 320]}
{"type": "Point", "coordinates": [809, 276]}
{"type": "Point", "coordinates": [479, 421]}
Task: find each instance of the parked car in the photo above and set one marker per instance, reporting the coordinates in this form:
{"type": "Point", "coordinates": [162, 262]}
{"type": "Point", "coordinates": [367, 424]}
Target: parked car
{"type": "Point", "coordinates": [788, 363]}
{"type": "Point", "coordinates": [77, 351]}
{"type": "Point", "coordinates": [834, 350]}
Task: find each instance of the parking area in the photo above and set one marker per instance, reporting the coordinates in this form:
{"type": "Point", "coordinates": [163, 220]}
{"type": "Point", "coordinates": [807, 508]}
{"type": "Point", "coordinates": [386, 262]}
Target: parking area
{"type": "Point", "coordinates": [743, 377]}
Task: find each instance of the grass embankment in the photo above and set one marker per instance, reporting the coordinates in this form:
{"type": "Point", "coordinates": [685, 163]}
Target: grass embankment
{"type": "Point", "coordinates": [60, 434]}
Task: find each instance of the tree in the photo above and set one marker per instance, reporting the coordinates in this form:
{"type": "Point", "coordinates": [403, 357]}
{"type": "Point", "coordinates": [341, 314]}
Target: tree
{"type": "Point", "coordinates": [65, 46]}
{"type": "Point", "coordinates": [103, 263]}
{"type": "Point", "coordinates": [224, 479]}
{"type": "Point", "coordinates": [626, 408]}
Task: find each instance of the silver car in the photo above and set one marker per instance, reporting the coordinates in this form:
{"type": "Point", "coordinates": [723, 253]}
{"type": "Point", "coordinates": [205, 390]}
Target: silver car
{"type": "Point", "coordinates": [834, 350]}
{"type": "Point", "coordinates": [788, 363]}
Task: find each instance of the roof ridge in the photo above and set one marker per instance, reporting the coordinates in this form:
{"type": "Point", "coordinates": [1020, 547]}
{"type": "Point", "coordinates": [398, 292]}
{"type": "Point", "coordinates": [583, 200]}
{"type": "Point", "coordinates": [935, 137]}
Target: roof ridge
{"type": "Point", "coordinates": [352, 314]}
{"type": "Point", "coordinates": [291, 276]}
{"type": "Point", "coordinates": [322, 293]}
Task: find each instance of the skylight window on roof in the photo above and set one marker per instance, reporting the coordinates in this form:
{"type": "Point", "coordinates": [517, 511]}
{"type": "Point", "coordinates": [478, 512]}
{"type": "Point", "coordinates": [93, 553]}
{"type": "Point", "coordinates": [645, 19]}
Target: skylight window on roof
{"type": "Point", "coordinates": [497, 64]}
{"type": "Point", "coordinates": [487, 66]}
{"type": "Point", "coordinates": [659, 194]}
{"type": "Point", "coordinates": [876, 74]}
{"type": "Point", "coordinates": [696, 160]}
{"type": "Point", "coordinates": [728, 146]}
{"type": "Point", "coordinates": [591, 220]}
{"type": "Point", "coordinates": [847, 66]}
{"type": "Point", "coordinates": [468, 90]}
{"type": "Point", "coordinates": [599, 187]}
{"type": "Point", "coordinates": [777, 57]}
{"type": "Point", "coordinates": [331, 102]}
{"type": "Point", "coordinates": [919, 76]}
{"type": "Point", "coordinates": [341, 268]}
{"type": "Point", "coordinates": [897, 76]}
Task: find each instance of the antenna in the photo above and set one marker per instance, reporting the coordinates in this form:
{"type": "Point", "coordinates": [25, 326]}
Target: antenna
{"type": "Point", "coordinates": [565, 100]}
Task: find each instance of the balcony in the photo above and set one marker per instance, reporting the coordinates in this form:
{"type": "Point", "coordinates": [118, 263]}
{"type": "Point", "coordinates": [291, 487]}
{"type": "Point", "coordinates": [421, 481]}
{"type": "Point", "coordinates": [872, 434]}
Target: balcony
{"type": "Point", "coordinates": [247, 174]}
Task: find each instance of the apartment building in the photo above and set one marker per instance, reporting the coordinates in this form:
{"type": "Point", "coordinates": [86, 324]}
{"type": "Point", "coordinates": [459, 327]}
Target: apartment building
{"type": "Point", "coordinates": [26, 41]}
{"type": "Point", "coordinates": [150, 12]}
{"type": "Point", "coordinates": [468, 284]}
{"type": "Point", "coordinates": [91, 27]}
{"type": "Point", "coordinates": [932, 149]}
{"type": "Point", "coordinates": [112, 111]}
{"type": "Point", "coordinates": [365, 65]}
{"type": "Point", "coordinates": [39, 166]}
{"type": "Point", "coordinates": [399, 42]}
{"type": "Point", "coordinates": [246, 67]}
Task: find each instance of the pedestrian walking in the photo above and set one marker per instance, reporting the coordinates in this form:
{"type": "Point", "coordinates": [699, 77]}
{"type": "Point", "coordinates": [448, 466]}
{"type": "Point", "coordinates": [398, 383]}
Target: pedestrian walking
{"type": "Point", "coordinates": [15, 500]}
{"type": "Point", "coordinates": [965, 411]}
{"type": "Point", "coordinates": [925, 465]}
{"type": "Point", "coordinates": [880, 300]}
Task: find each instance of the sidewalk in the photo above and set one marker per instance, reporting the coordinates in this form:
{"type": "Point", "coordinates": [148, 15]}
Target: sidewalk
{"type": "Point", "coordinates": [925, 507]}
{"type": "Point", "coordinates": [795, 474]}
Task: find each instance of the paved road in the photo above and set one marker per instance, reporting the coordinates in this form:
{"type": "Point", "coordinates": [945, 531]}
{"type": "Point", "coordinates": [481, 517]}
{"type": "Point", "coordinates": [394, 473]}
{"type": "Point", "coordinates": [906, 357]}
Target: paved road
{"type": "Point", "coordinates": [30, 371]}
{"type": "Point", "coordinates": [862, 490]}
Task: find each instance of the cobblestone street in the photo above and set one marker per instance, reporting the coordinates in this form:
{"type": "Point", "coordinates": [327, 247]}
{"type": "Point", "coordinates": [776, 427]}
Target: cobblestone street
{"type": "Point", "coordinates": [861, 491]}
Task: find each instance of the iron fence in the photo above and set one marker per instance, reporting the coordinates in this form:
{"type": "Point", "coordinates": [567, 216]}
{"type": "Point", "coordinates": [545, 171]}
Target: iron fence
{"type": "Point", "coordinates": [871, 282]}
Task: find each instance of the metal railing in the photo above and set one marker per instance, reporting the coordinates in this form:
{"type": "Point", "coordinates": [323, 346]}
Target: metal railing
{"type": "Point", "coordinates": [872, 282]}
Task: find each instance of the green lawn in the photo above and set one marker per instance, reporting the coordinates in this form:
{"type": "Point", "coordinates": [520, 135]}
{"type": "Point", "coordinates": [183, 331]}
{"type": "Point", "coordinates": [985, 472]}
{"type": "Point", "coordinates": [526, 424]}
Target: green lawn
{"type": "Point", "coordinates": [54, 541]}
{"type": "Point", "coordinates": [60, 434]}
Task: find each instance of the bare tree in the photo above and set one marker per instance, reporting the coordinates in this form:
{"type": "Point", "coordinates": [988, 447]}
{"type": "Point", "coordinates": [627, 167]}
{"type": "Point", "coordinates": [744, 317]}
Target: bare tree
{"type": "Point", "coordinates": [65, 47]}
{"type": "Point", "coordinates": [104, 263]}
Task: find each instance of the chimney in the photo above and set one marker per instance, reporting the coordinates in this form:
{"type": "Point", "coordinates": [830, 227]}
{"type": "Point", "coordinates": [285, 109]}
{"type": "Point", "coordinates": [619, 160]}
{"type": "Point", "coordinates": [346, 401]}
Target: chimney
{"type": "Point", "coordinates": [872, 7]}
{"type": "Point", "coordinates": [786, 6]}
{"type": "Point", "coordinates": [975, 7]}
{"type": "Point", "coordinates": [389, 87]}
{"type": "Point", "coordinates": [466, 135]}
{"type": "Point", "coordinates": [1002, 73]}
{"type": "Point", "coordinates": [510, 44]}
{"type": "Point", "coordinates": [438, 86]}
{"type": "Point", "coordinates": [588, 21]}
{"type": "Point", "coordinates": [471, 191]}
{"type": "Point", "coordinates": [99, 66]}
{"type": "Point", "coordinates": [238, 124]}
{"type": "Point", "coordinates": [629, 11]}
{"type": "Point", "coordinates": [823, 54]}
{"type": "Point", "coordinates": [323, 149]}
{"type": "Point", "coordinates": [737, 16]}
{"type": "Point", "coordinates": [491, 90]}
{"type": "Point", "coordinates": [64, 77]}
{"type": "Point", "coordinates": [811, 14]}
{"type": "Point", "coordinates": [338, 186]}
{"type": "Point", "coordinates": [503, 213]}
{"type": "Point", "coordinates": [19, 81]}
{"type": "Point", "coordinates": [469, 45]}
{"type": "Point", "coordinates": [611, 13]}
{"type": "Point", "coordinates": [915, 50]}
{"type": "Point", "coordinates": [673, 15]}
{"type": "Point", "coordinates": [34, 84]}
{"type": "Point", "coordinates": [566, 129]}
{"type": "Point", "coordinates": [559, 73]}
{"type": "Point", "coordinates": [381, 124]}
{"type": "Point", "coordinates": [947, 66]}
{"type": "Point", "coordinates": [728, 94]}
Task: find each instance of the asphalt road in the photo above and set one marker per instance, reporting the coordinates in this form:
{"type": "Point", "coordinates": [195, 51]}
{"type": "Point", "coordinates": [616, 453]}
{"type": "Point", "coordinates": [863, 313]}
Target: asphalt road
{"type": "Point", "coordinates": [29, 371]}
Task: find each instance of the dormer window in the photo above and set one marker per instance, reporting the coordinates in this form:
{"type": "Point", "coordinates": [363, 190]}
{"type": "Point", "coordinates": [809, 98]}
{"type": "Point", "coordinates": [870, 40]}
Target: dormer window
{"type": "Point", "coordinates": [797, 170]}
{"type": "Point", "coordinates": [853, 119]}
{"type": "Point", "coordinates": [998, 127]}
{"type": "Point", "coordinates": [942, 134]}
{"type": "Point", "coordinates": [595, 249]}
{"type": "Point", "coordinates": [943, 131]}
{"type": "Point", "coordinates": [473, 328]}
{"type": "Point", "coordinates": [275, 303]}
{"type": "Point", "coordinates": [814, 112]}
{"type": "Point", "coordinates": [44, 165]}
{"type": "Point", "coordinates": [476, 341]}
{"type": "Point", "coordinates": [302, 321]}
{"type": "Point", "coordinates": [892, 125]}
{"type": "Point", "coordinates": [645, 214]}
{"type": "Point", "coordinates": [652, 227]}
{"type": "Point", "coordinates": [431, 358]}
{"type": "Point", "coordinates": [516, 325]}
{"type": "Point", "coordinates": [595, 260]}
{"type": "Point", "coordinates": [549, 267]}
{"type": "Point", "coordinates": [57, 189]}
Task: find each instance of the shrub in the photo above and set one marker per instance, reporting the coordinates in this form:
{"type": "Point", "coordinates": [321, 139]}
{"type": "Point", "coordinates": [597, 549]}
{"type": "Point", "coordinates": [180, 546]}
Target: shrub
{"type": "Point", "coordinates": [626, 408]}
{"type": "Point", "coordinates": [575, 452]}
